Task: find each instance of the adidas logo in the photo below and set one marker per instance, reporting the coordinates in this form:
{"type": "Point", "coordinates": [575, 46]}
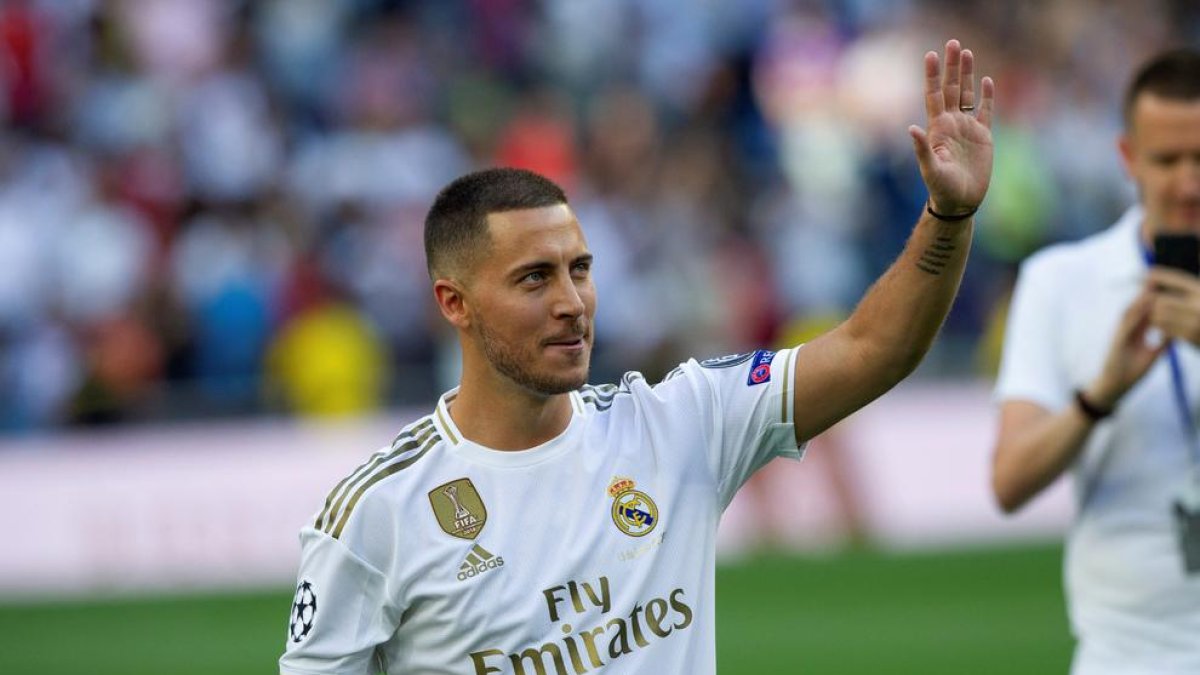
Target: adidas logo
{"type": "Point", "coordinates": [478, 561]}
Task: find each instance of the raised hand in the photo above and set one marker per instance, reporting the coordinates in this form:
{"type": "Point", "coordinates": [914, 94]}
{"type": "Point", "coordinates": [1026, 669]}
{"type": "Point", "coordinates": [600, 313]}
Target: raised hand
{"type": "Point", "coordinates": [955, 150]}
{"type": "Point", "coordinates": [1129, 356]}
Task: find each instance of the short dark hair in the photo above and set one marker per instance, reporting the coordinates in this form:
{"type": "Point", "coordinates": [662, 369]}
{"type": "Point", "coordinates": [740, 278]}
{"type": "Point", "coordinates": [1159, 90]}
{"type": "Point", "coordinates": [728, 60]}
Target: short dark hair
{"type": "Point", "coordinates": [456, 224]}
{"type": "Point", "coordinates": [1173, 74]}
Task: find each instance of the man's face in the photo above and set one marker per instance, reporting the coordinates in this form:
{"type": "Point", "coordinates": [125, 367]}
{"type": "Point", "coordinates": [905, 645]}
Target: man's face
{"type": "Point", "coordinates": [531, 299]}
{"type": "Point", "coordinates": [1161, 150]}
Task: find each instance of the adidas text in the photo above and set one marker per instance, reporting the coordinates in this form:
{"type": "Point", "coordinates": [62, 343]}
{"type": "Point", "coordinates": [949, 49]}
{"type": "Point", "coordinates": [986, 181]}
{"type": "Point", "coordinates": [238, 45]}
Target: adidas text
{"type": "Point", "coordinates": [468, 571]}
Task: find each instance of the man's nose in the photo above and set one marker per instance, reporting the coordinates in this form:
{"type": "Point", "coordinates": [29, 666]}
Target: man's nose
{"type": "Point", "coordinates": [568, 301]}
{"type": "Point", "coordinates": [1188, 176]}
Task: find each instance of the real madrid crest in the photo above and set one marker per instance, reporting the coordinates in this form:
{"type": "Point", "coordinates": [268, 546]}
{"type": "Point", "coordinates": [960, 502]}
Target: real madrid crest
{"type": "Point", "coordinates": [633, 511]}
{"type": "Point", "coordinates": [459, 508]}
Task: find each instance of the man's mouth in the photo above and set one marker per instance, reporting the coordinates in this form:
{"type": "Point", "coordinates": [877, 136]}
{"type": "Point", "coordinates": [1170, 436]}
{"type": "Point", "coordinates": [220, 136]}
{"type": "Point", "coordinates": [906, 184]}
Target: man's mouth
{"type": "Point", "coordinates": [567, 341]}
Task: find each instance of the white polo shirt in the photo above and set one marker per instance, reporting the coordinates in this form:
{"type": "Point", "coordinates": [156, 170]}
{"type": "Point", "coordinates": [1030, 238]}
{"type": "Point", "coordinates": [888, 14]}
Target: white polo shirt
{"type": "Point", "coordinates": [593, 552]}
{"type": "Point", "coordinates": [1131, 605]}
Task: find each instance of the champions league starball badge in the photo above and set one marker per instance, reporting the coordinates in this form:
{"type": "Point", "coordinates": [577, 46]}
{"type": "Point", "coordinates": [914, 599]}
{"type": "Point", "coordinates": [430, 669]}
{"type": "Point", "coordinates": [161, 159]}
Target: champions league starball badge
{"type": "Point", "coordinates": [304, 610]}
{"type": "Point", "coordinates": [633, 511]}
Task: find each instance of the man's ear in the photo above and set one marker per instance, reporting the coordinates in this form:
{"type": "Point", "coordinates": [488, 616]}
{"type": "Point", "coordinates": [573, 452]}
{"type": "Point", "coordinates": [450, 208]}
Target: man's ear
{"type": "Point", "coordinates": [1125, 146]}
{"type": "Point", "coordinates": [452, 302]}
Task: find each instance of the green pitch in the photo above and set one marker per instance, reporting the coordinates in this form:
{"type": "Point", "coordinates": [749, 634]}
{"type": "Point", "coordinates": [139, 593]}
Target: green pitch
{"type": "Point", "coordinates": [979, 612]}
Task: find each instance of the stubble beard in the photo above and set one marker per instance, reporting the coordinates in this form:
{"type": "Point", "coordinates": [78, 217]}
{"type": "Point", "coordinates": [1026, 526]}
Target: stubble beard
{"type": "Point", "coordinates": [509, 362]}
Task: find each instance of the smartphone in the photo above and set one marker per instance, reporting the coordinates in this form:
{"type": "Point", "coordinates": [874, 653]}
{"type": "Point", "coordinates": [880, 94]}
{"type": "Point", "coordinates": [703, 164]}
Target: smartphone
{"type": "Point", "coordinates": [1178, 251]}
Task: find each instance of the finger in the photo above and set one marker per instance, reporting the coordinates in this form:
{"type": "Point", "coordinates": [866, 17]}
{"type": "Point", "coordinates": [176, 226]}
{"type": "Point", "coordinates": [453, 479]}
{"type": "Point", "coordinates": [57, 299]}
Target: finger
{"type": "Point", "coordinates": [1171, 315]}
{"type": "Point", "coordinates": [1172, 308]}
{"type": "Point", "coordinates": [1137, 316]}
{"type": "Point", "coordinates": [966, 96]}
{"type": "Point", "coordinates": [1152, 353]}
{"type": "Point", "coordinates": [1135, 320]}
{"type": "Point", "coordinates": [1167, 326]}
{"type": "Point", "coordinates": [1145, 337]}
{"type": "Point", "coordinates": [984, 107]}
{"type": "Point", "coordinates": [921, 146]}
{"type": "Point", "coordinates": [1138, 321]}
{"type": "Point", "coordinates": [951, 84]}
{"type": "Point", "coordinates": [1147, 354]}
{"type": "Point", "coordinates": [934, 104]}
{"type": "Point", "coordinates": [1172, 279]}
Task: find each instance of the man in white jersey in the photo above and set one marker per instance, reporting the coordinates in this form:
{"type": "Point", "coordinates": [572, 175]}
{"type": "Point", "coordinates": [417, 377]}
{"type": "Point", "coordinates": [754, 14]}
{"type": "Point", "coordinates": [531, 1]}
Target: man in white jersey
{"type": "Point", "coordinates": [533, 524]}
{"type": "Point", "coordinates": [1085, 385]}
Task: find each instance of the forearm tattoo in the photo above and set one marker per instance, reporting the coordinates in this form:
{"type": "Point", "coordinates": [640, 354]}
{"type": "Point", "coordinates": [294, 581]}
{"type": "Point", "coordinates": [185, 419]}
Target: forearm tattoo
{"type": "Point", "coordinates": [934, 259]}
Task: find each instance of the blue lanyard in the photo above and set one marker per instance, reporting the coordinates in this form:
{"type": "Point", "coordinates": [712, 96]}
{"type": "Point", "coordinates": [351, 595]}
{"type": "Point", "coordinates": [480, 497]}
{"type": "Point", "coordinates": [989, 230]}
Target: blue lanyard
{"type": "Point", "coordinates": [1181, 398]}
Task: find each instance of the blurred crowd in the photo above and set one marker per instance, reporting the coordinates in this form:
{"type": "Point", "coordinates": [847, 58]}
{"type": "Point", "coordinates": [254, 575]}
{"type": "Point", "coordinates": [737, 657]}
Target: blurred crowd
{"type": "Point", "coordinates": [214, 207]}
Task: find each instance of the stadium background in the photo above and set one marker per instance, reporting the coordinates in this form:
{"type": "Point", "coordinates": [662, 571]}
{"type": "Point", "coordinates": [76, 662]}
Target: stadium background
{"type": "Point", "coordinates": [210, 268]}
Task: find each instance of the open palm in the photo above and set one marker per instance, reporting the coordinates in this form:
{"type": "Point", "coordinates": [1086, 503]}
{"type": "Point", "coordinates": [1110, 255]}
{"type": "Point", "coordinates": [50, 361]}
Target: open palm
{"type": "Point", "coordinates": [955, 150]}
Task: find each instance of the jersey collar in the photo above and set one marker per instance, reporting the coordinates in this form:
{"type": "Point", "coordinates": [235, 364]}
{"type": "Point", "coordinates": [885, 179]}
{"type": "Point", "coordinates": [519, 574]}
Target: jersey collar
{"type": "Point", "coordinates": [473, 451]}
{"type": "Point", "coordinates": [1123, 248]}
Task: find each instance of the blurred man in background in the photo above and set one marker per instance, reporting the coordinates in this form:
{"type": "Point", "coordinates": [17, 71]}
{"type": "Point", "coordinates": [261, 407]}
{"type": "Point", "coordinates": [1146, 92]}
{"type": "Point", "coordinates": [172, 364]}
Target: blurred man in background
{"type": "Point", "coordinates": [1101, 376]}
{"type": "Point", "coordinates": [532, 520]}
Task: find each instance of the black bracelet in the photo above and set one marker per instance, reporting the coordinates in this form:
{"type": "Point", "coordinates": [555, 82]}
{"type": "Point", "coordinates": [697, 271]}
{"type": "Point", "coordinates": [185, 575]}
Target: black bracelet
{"type": "Point", "coordinates": [1090, 410]}
{"type": "Point", "coordinates": [949, 219]}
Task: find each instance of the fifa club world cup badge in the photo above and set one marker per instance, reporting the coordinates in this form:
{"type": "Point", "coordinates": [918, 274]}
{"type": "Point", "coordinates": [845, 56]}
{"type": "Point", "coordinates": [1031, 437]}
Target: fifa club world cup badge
{"type": "Point", "coordinates": [459, 508]}
{"type": "Point", "coordinates": [633, 511]}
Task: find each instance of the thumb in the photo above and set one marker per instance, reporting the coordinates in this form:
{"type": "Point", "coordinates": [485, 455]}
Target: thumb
{"type": "Point", "coordinates": [1134, 329]}
{"type": "Point", "coordinates": [921, 146]}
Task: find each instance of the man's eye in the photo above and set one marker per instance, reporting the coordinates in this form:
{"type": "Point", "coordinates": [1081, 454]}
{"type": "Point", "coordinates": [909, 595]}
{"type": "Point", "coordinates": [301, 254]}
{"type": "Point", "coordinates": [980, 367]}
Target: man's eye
{"type": "Point", "coordinates": [582, 268]}
{"type": "Point", "coordinates": [534, 277]}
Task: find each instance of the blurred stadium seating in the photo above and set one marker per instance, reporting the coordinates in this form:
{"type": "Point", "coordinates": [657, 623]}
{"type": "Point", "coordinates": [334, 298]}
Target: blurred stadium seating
{"type": "Point", "coordinates": [212, 208]}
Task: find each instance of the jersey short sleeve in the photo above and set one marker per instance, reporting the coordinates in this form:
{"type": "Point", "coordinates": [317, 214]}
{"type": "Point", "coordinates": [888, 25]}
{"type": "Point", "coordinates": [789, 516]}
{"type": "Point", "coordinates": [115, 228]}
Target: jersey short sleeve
{"type": "Point", "coordinates": [337, 615]}
{"type": "Point", "coordinates": [745, 400]}
{"type": "Point", "coordinates": [1029, 367]}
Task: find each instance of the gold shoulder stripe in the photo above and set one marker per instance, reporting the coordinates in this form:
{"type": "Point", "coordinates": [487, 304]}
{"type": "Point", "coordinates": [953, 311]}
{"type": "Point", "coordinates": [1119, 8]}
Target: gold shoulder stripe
{"type": "Point", "coordinates": [446, 426]}
{"type": "Point", "coordinates": [787, 386]}
{"type": "Point", "coordinates": [378, 476]}
{"type": "Point", "coordinates": [412, 430]}
{"type": "Point", "coordinates": [396, 453]}
{"type": "Point", "coordinates": [374, 461]}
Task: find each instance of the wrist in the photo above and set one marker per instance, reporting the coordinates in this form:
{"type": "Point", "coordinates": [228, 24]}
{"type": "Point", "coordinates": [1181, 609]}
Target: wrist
{"type": "Point", "coordinates": [1093, 406]}
{"type": "Point", "coordinates": [950, 216]}
{"type": "Point", "coordinates": [1102, 394]}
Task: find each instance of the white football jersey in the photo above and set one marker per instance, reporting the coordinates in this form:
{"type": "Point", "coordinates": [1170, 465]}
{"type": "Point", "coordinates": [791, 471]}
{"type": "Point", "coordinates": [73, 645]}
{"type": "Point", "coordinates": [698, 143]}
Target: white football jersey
{"type": "Point", "coordinates": [593, 552]}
